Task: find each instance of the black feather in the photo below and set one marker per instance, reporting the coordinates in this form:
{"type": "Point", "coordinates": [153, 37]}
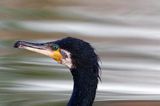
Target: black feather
{"type": "Point", "coordinates": [86, 70]}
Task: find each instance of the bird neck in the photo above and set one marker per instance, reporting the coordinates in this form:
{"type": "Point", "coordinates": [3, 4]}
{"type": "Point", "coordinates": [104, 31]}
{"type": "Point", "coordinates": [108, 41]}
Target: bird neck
{"type": "Point", "coordinates": [85, 85]}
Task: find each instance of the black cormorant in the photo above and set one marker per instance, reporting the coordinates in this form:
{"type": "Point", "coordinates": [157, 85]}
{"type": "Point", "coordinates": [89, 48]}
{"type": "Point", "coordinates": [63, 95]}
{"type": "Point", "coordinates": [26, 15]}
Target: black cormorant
{"type": "Point", "coordinates": [80, 57]}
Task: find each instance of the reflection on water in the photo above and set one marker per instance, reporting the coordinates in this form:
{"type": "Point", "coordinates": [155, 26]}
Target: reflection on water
{"type": "Point", "coordinates": [126, 39]}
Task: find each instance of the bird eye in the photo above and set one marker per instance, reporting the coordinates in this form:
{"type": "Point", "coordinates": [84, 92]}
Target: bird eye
{"type": "Point", "coordinates": [55, 47]}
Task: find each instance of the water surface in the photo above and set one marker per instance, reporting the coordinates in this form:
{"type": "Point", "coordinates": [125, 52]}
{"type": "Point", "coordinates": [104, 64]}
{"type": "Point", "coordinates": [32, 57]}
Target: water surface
{"type": "Point", "coordinates": [125, 35]}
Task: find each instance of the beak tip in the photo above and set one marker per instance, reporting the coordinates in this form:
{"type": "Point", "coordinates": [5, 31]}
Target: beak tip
{"type": "Point", "coordinates": [17, 44]}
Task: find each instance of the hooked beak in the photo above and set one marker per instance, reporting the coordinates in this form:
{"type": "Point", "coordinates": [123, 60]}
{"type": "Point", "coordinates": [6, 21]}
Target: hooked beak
{"type": "Point", "coordinates": [42, 48]}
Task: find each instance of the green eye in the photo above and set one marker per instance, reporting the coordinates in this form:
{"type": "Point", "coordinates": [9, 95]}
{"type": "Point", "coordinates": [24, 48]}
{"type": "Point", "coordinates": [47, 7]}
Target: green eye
{"type": "Point", "coordinates": [55, 47]}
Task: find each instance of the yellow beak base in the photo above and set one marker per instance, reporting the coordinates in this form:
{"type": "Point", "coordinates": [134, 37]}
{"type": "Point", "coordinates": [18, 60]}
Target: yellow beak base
{"type": "Point", "coordinates": [57, 56]}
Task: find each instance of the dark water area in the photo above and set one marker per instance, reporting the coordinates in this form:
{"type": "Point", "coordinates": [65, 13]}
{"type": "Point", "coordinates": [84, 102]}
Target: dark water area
{"type": "Point", "coordinates": [125, 35]}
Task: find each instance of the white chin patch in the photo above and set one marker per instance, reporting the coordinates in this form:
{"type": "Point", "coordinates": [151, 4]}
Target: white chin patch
{"type": "Point", "coordinates": [67, 61]}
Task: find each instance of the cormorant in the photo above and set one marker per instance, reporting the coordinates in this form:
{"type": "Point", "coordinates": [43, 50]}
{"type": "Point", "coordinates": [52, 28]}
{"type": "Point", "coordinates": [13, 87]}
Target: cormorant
{"type": "Point", "coordinates": [80, 57]}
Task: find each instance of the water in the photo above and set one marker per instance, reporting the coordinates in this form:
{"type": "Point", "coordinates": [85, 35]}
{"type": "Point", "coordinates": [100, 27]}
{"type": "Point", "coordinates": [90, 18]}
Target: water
{"type": "Point", "coordinates": [125, 35]}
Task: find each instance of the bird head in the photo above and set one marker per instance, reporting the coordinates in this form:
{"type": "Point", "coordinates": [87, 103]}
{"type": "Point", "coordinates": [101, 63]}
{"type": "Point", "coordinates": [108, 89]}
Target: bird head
{"type": "Point", "coordinates": [69, 51]}
{"type": "Point", "coordinates": [79, 57]}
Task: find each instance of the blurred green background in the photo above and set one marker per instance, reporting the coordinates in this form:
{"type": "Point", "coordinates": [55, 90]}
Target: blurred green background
{"type": "Point", "coordinates": [125, 34]}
